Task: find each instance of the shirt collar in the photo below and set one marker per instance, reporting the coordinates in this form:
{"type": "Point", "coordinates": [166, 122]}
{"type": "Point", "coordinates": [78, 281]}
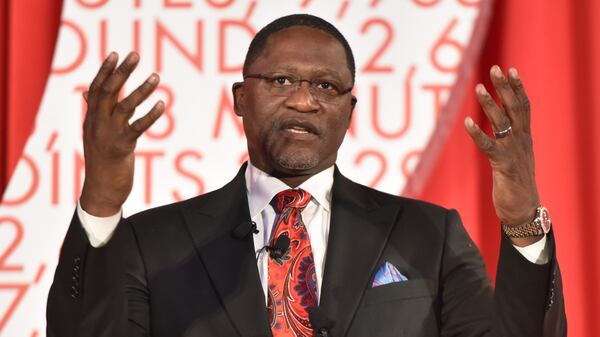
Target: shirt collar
{"type": "Point", "coordinates": [262, 187]}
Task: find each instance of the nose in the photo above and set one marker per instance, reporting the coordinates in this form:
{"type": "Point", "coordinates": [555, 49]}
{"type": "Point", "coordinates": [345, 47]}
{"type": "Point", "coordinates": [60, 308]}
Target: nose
{"type": "Point", "coordinates": [302, 99]}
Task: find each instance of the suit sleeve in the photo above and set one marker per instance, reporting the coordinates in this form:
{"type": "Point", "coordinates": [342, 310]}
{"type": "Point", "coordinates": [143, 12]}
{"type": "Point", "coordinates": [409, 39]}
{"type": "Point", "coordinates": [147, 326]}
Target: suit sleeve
{"type": "Point", "coordinates": [87, 296]}
{"type": "Point", "coordinates": [527, 300]}
{"type": "Point", "coordinates": [99, 291]}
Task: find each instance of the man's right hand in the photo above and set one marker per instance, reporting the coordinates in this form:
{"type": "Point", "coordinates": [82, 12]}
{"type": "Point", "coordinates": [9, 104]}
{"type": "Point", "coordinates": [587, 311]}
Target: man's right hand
{"type": "Point", "coordinates": [108, 138]}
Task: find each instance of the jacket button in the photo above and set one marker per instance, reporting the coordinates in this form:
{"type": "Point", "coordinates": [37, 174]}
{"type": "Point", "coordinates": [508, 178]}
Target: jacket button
{"type": "Point", "coordinates": [74, 292]}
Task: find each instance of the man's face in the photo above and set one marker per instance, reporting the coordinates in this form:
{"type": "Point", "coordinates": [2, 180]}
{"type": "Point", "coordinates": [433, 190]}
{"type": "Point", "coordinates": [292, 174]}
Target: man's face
{"type": "Point", "coordinates": [295, 134]}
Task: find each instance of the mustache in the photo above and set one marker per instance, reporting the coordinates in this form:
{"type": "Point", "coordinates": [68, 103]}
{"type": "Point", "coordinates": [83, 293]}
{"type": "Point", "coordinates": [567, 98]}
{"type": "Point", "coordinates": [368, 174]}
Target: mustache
{"type": "Point", "coordinates": [290, 123]}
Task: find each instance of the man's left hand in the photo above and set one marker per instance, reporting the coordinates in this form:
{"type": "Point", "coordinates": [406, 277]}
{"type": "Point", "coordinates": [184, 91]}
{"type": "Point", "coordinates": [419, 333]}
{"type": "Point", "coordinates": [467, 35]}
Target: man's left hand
{"type": "Point", "coordinates": [515, 193]}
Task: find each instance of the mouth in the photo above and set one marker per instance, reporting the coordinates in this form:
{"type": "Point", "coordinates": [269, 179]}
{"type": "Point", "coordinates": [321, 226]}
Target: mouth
{"type": "Point", "coordinates": [298, 130]}
{"type": "Point", "coordinates": [299, 127]}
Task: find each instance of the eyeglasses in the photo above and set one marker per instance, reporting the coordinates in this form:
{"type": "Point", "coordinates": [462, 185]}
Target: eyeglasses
{"type": "Point", "coordinates": [323, 90]}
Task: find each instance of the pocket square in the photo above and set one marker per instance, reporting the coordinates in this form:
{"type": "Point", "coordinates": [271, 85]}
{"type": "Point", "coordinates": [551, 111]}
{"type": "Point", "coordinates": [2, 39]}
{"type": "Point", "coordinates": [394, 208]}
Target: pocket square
{"type": "Point", "coordinates": [387, 274]}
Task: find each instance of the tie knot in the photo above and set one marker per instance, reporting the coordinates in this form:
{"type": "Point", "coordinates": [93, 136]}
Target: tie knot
{"type": "Point", "coordinates": [291, 198]}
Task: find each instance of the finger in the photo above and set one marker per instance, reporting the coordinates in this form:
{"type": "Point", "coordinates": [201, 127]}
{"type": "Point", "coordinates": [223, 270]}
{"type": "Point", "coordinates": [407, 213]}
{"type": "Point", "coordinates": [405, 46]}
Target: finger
{"type": "Point", "coordinates": [127, 106]}
{"type": "Point", "coordinates": [483, 141]}
{"type": "Point", "coordinates": [506, 95]}
{"type": "Point", "coordinates": [105, 70]}
{"type": "Point", "coordinates": [142, 124]}
{"type": "Point", "coordinates": [493, 112]}
{"type": "Point", "coordinates": [112, 85]}
{"type": "Point", "coordinates": [524, 113]}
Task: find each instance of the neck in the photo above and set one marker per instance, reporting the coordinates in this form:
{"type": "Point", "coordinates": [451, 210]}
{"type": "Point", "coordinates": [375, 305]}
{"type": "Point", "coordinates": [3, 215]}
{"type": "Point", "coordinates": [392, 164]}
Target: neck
{"type": "Point", "coordinates": [292, 181]}
{"type": "Point", "coordinates": [291, 177]}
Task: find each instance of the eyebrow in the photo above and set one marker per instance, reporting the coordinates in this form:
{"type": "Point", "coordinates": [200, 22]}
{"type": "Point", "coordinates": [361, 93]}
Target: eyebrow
{"type": "Point", "coordinates": [316, 72]}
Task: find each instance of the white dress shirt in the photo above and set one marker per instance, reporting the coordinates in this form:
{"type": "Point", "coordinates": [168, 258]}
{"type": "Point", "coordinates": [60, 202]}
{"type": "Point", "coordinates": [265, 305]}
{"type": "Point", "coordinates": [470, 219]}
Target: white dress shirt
{"type": "Point", "coordinates": [261, 188]}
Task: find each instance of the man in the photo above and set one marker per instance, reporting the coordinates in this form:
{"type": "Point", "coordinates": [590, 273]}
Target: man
{"type": "Point", "coordinates": [340, 259]}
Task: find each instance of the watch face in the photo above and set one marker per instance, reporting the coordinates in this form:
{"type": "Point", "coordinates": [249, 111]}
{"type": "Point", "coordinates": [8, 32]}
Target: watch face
{"type": "Point", "coordinates": [546, 222]}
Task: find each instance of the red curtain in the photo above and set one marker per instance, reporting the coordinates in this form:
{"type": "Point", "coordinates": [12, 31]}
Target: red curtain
{"type": "Point", "coordinates": [555, 45]}
{"type": "Point", "coordinates": [28, 30]}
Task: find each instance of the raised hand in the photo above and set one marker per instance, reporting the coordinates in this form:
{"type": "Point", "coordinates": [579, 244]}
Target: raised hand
{"type": "Point", "coordinates": [515, 193]}
{"type": "Point", "coordinates": [109, 139]}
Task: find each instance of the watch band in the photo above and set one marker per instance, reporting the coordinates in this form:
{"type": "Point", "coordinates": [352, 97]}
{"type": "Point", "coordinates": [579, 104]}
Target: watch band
{"type": "Point", "coordinates": [539, 226]}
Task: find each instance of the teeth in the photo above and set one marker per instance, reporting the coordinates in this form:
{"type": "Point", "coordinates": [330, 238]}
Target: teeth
{"type": "Point", "coordinates": [296, 129]}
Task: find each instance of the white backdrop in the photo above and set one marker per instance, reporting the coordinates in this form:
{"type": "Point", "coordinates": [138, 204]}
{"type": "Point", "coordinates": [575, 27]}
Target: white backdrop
{"type": "Point", "coordinates": [408, 55]}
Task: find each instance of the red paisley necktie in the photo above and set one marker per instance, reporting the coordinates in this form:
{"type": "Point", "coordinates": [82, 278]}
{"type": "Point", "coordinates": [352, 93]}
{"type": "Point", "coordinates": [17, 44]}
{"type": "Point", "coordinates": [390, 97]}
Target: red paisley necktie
{"type": "Point", "coordinates": [292, 278]}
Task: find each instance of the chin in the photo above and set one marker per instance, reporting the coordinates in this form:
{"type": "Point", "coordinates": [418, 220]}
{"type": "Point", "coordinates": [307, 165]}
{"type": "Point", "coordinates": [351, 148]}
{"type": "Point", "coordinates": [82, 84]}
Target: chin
{"type": "Point", "coordinates": [297, 161]}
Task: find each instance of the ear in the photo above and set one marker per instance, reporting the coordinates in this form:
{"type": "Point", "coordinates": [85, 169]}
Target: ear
{"type": "Point", "coordinates": [352, 106]}
{"type": "Point", "coordinates": [237, 89]}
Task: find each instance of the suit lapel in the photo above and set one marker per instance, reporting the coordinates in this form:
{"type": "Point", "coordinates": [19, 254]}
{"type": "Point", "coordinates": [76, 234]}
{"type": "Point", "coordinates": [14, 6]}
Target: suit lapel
{"type": "Point", "coordinates": [230, 262]}
{"type": "Point", "coordinates": [359, 231]}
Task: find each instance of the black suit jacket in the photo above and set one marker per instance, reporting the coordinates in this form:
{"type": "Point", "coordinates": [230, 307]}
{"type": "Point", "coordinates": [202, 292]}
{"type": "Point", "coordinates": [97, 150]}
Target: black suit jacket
{"type": "Point", "coordinates": [177, 270]}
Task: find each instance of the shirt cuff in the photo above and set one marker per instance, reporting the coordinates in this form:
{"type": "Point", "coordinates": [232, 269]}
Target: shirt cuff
{"type": "Point", "coordinates": [536, 252]}
{"type": "Point", "coordinates": [99, 230]}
